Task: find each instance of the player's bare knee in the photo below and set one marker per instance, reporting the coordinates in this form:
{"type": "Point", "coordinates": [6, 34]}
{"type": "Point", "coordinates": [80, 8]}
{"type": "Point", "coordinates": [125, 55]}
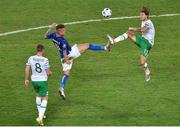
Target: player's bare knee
{"type": "Point", "coordinates": [86, 46]}
{"type": "Point", "coordinates": [142, 60]}
{"type": "Point", "coordinates": [83, 47]}
{"type": "Point", "coordinates": [67, 72]}
{"type": "Point", "coordinates": [45, 98]}
{"type": "Point", "coordinates": [130, 33]}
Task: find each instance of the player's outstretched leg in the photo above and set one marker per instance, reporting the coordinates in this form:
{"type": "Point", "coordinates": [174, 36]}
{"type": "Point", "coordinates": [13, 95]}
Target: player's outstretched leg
{"type": "Point", "coordinates": [129, 34]}
{"type": "Point", "coordinates": [62, 83]}
{"type": "Point", "coordinates": [81, 48]}
{"type": "Point", "coordinates": [88, 46]}
{"type": "Point", "coordinates": [117, 39]}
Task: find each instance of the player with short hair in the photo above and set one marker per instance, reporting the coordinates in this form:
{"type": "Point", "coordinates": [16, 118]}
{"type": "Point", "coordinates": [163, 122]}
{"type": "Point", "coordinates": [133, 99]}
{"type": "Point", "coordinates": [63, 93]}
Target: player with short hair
{"type": "Point", "coordinates": [144, 42]}
{"type": "Point", "coordinates": [68, 53]}
{"type": "Point", "coordinates": [40, 68]}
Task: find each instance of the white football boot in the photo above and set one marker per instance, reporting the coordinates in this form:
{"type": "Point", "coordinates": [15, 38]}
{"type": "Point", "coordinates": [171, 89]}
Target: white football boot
{"type": "Point", "coordinates": [61, 93]}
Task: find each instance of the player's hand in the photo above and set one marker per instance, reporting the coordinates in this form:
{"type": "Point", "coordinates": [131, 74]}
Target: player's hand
{"type": "Point", "coordinates": [68, 61]}
{"type": "Point", "coordinates": [26, 82]}
{"type": "Point", "coordinates": [49, 72]}
{"type": "Point", "coordinates": [53, 25]}
{"type": "Point", "coordinates": [131, 29]}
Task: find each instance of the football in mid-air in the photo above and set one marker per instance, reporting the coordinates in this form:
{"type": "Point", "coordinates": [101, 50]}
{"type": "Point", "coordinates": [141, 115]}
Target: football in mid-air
{"type": "Point", "coordinates": [107, 12]}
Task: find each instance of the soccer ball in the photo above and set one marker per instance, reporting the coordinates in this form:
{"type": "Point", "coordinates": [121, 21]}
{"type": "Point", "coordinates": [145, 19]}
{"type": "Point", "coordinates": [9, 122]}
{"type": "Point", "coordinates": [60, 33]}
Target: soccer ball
{"type": "Point", "coordinates": [107, 12]}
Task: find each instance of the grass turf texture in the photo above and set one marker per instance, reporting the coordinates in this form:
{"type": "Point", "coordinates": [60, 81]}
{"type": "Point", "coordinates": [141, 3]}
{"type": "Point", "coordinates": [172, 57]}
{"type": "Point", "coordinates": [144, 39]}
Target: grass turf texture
{"type": "Point", "coordinates": [104, 88]}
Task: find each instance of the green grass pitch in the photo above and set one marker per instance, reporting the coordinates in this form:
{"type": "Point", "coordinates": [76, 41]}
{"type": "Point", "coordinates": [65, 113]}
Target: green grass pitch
{"type": "Point", "coordinates": [103, 88]}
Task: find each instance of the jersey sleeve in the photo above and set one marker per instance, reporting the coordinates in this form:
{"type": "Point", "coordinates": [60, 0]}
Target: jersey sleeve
{"type": "Point", "coordinates": [28, 62]}
{"type": "Point", "coordinates": [50, 36]}
{"type": "Point", "coordinates": [47, 64]}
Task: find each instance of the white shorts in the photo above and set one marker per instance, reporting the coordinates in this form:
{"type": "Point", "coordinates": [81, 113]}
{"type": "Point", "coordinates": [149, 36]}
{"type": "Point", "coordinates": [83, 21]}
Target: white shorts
{"type": "Point", "coordinates": [73, 54]}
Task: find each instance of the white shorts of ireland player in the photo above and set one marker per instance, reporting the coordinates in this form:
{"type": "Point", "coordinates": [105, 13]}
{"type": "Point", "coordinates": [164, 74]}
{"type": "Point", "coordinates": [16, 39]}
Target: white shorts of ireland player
{"type": "Point", "coordinates": [72, 55]}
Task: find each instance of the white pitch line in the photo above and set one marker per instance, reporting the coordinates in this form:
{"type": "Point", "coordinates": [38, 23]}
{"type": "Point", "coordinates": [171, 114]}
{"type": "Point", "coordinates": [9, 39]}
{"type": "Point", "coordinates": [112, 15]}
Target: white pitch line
{"type": "Point", "coordinates": [85, 21]}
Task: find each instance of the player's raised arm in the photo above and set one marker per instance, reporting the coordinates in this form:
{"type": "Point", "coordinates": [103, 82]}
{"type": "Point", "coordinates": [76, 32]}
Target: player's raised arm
{"type": "Point", "coordinates": [27, 73]}
{"type": "Point", "coordinates": [53, 25]}
{"type": "Point", "coordinates": [133, 29]}
{"type": "Point", "coordinates": [142, 29]}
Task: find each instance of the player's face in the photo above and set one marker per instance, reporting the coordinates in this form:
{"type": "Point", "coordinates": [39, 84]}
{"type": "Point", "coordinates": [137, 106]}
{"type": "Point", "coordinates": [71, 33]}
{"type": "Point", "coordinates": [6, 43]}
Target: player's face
{"type": "Point", "coordinates": [143, 16]}
{"type": "Point", "coordinates": [61, 31]}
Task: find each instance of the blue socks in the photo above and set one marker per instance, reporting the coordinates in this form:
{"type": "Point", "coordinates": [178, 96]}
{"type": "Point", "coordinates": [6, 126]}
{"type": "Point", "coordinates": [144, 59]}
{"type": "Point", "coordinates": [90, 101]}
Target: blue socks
{"type": "Point", "coordinates": [96, 47]}
{"type": "Point", "coordinates": [63, 81]}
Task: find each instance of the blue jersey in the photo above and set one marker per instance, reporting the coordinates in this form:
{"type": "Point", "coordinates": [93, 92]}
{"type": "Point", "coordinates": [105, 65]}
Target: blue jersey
{"type": "Point", "coordinates": [60, 42]}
